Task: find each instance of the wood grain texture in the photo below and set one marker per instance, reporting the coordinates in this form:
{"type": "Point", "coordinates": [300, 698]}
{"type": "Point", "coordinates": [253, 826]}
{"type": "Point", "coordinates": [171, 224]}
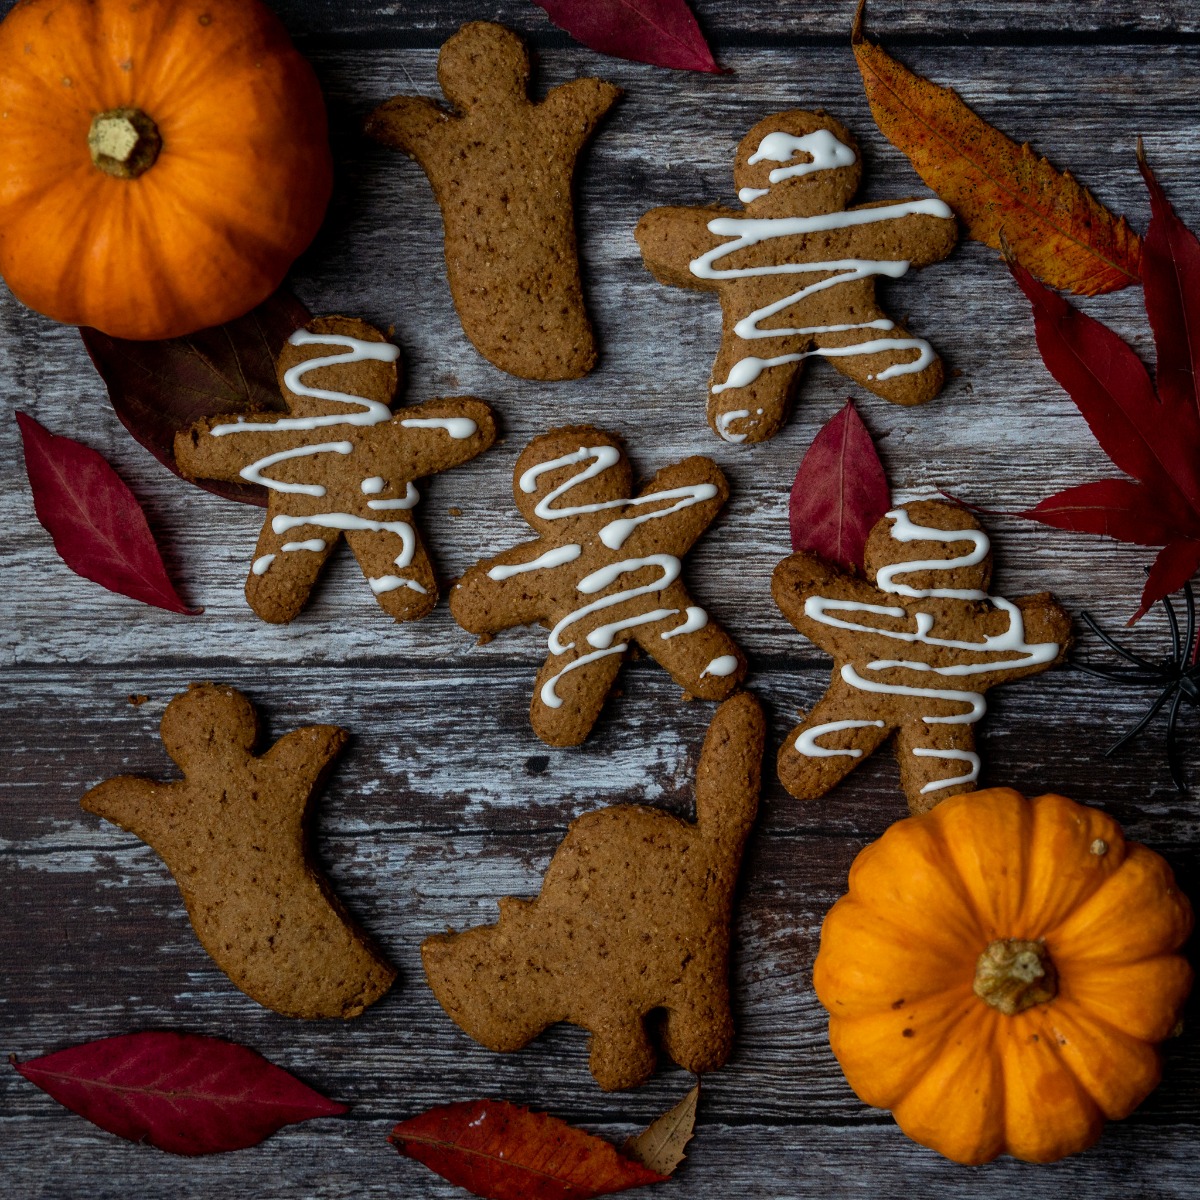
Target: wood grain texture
{"type": "Point", "coordinates": [445, 800]}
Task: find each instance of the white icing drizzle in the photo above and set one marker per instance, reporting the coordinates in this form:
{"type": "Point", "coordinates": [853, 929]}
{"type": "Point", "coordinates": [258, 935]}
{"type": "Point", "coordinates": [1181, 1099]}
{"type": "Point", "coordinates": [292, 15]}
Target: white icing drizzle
{"type": "Point", "coordinates": [389, 583]}
{"type": "Point", "coordinates": [374, 485]}
{"type": "Point", "coordinates": [597, 581]}
{"type": "Point", "coordinates": [806, 743]}
{"type": "Point", "coordinates": [549, 697]}
{"type": "Point", "coordinates": [746, 194]}
{"type": "Point", "coordinates": [966, 756]}
{"type": "Point", "coordinates": [253, 473]}
{"type": "Point", "coordinates": [261, 565]}
{"type": "Point", "coordinates": [725, 665]}
{"type": "Point", "coordinates": [695, 618]}
{"type": "Point", "coordinates": [552, 558]}
{"type": "Point", "coordinates": [314, 544]}
{"type": "Point", "coordinates": [408, 500]}
{"type": "Point", "coordinates": [459, 428]}
{"type": "Point", "coordinates": [1011, 641]}
{"type": "Point", "coordinates": [826, 153]}
{"type": "Point", "coordinates": [615, 533]}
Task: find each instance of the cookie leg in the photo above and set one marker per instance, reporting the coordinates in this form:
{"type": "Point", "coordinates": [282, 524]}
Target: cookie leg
{"type": "Point", "coordinates": [397, 571]}
{"type": "Point", "coordinates": [285, 569]}
{"type": "Point", "coordinates": [936, 762]}
{"type": "Point", "coordinates": [752, 385]}
{"type": "Point", "coordinates": [570, 691]}
{"type": "Point", "coordinates": [620, 1054]}
{"type": "Point", "coordinates": [831, 741]}
{"type": "Point", "coordinates": [705, 661]}
{"type": "Point", "coordinates": [888, 368]}
{"type": "Point", "coordinates": [699, 1037]}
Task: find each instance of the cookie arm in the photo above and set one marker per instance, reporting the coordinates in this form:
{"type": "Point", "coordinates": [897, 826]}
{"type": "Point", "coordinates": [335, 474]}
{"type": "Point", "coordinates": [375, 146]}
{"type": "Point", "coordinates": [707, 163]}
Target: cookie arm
{"type": "Point", "coordinates": [135, 804]}
{"type": "Point", "coordinates": [441, 434]}
{"type": "Point", "coordinates": [411, 124]}
{"type": "Point", "coordinates": [574, 109]}
{"type": "Point", "coordinates": [303, 758]}
{"type": "Point", "coordinates": [803, 575]}
{"type": "Point", "coordinates": [483, 605]}
{"type": "Point", "coordinates": [675, 532]}
{"type": "Point", "coordinates": [199, 455]}
{"type": "Point", "coordinates": [671, 238]}
{"type": "Point", "coordinates": [706, 662]}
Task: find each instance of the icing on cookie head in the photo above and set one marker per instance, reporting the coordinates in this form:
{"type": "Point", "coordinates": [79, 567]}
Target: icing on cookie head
{"type": "Point", "coordinates": [560, 476]}
{"type": "Point", "coordinates": [903, 558]}
{"type": "Point", "coordinates": [798, 162]}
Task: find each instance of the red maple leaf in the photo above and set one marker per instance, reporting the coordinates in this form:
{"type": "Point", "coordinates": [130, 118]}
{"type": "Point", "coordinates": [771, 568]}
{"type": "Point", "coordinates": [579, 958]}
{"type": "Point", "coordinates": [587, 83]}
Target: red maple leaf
{"type": "Point", "coordinates": [1152, 435]}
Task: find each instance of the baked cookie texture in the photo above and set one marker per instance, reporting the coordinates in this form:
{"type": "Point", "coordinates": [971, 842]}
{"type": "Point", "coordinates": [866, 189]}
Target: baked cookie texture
{"type": "Point", "coordinates": [634, 915]}
{"type": "Point", "coordinates": [795, 272]}
{"type": "Point", "coordinates": [234, 834]}
{"type": "Point", "coordinates": [341, 464]}
{"type": "Point", "coordinates": [915, 646]}
{"type": "Point", "coordinates": [604, 575]}
{"type": "Point", "coordinates": [501, 168]}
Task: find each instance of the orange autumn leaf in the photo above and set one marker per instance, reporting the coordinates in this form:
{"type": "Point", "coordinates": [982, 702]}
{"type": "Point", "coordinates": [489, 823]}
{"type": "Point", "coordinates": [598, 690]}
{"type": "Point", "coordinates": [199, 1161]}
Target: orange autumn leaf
{"type": "Point", "coordinates": [1057, 228]}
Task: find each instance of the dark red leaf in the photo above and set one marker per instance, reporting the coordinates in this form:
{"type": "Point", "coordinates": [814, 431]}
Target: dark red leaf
{"type": "Point", "coordinates": [1171, 275]}
{"type": "Point", "coordinates": [1116, 508]}
{"type": "Point", "coordinates": [158, 388]}
{"type": "Point", "coordinates": [1112, 389]}
{"type": "Point", "coordinates": [841, 490]}
{"type": "Point", "coordinates": [503, 1152]}
{"type": "Point", "coordinates": [98, 527]}
{"type": "Point", "coordinates": [1175, 565]}
{"type": "Point", "coordinates": [180, 1092]}
{"type": "Point", "coordinates": [661, 32]}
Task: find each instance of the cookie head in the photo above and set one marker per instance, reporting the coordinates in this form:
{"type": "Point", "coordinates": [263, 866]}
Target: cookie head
{"type": "Point", "coordinates": [569, 471]}
{"type": "Point", "coordinates": [483, 64]}
{"type": "Point", "coordinates": [798, 162]}
{"type": "Point", "coordinates": [357, 374]}
{"type": "Point", "coordinates": [929, 531]}
{"type": "Point", "coordinates": [209, 725]}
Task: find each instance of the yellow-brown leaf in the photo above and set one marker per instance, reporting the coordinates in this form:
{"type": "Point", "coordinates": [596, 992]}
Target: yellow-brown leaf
{"type": "Point", "coordinates": [1056, 227]}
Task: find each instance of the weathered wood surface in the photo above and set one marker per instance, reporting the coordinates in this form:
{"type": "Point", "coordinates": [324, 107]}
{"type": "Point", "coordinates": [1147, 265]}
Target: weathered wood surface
{"type": "Point", "coordinates": [445, 800]}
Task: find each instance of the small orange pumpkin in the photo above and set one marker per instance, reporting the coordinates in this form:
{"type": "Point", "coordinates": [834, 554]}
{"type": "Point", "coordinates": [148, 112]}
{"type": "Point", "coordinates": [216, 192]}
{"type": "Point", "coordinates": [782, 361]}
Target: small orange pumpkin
{"type": "Point", "coordinates": [1000, 972]}
{"type": "Point", "coordinates": [162, 162]}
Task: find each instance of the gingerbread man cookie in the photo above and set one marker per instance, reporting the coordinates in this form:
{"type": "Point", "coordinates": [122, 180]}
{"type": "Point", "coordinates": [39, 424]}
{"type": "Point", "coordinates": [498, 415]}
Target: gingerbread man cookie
{"type": "Point", "coordinates": [340, 464]}
{"type": "Point", "coordinates": [913, 649]}
{"type": "Point", "coordinates": [604, 574]}
{"type": "Point", "coordinates": [233, 834]}
{"type": "Point", "coordinates": [501, 170]}
{"type": "Point", "coordinates": [796, 172]}
{"type": "Point", "coordinates": [634, 915]}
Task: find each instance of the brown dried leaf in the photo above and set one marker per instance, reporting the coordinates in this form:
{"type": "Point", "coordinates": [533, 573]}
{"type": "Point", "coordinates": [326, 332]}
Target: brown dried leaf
{"type": "Point", "coordinates": [662, 1147]}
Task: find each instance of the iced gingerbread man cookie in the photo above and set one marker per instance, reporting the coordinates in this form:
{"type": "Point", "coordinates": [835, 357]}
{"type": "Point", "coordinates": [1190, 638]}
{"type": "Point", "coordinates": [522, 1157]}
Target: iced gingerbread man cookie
{"type": "Point", "coordinates": [604, 574]}
{"type": "Point", "coordinates": [795, 273]}
{"type": "Point", "coordinates": [341, 464]}
{"type": "Point", "coordinates": [634, 915]}
{"type": "Point", "coordinates": [914, 648]}
{"type": "Point", "coordinates": [501, 167]}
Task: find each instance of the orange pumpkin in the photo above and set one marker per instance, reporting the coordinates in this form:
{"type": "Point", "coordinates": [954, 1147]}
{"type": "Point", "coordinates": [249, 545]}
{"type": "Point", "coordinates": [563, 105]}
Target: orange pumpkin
{"type": "Point", "coordinates": [162, 162]}
{"type": "Point", "coordinates": [1000, 972]}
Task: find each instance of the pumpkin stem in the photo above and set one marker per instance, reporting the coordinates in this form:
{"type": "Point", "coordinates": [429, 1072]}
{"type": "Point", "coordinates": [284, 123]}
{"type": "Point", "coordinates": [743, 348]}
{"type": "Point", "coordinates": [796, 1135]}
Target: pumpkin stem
{"type": "Point", "coordinates": [124, 142]}
{"type": "Point", "coordinates": [1013, 975]}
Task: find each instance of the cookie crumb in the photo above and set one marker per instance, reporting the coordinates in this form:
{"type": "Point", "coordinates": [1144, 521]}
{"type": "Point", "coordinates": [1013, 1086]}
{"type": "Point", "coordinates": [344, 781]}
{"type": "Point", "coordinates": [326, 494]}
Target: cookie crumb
{"type": "Point", "coordinates": [137, 699]}
{"type": "Point", "coordinates": [454, 511]}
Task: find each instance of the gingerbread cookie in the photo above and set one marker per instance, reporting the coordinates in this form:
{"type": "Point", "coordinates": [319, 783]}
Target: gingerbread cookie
{"type": "Point", "coordinates": [340, 464]}
{"type": "Point", "coordinates": [604, 574]}
{"type": "Point", "coordinates": [796, 172]}
{"type": "Point", "coordinates": [501, 169]}
{"type": "Point", "coordinates": [634, 915]}
{"type": "Point", "coordinates": [233, 833]}
{"type": "Point", "coordinates": [913, 652]}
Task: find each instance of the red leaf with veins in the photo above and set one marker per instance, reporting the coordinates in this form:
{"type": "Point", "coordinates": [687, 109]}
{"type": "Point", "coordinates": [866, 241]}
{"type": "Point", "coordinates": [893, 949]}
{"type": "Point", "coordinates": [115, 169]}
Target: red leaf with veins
{"type": "Point", "coordinates": [661, 32]}
{"type": "Point", "coordinates": [503, 1152]}
{"type": "Point", "coordinates": [98, 527]}
{"type": "Point", "coordinates": [178, 1091]}
{"type": "Point", "coordinates": [840, 491]}
{"type": "Point", "coordinates": [1153, 436]}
